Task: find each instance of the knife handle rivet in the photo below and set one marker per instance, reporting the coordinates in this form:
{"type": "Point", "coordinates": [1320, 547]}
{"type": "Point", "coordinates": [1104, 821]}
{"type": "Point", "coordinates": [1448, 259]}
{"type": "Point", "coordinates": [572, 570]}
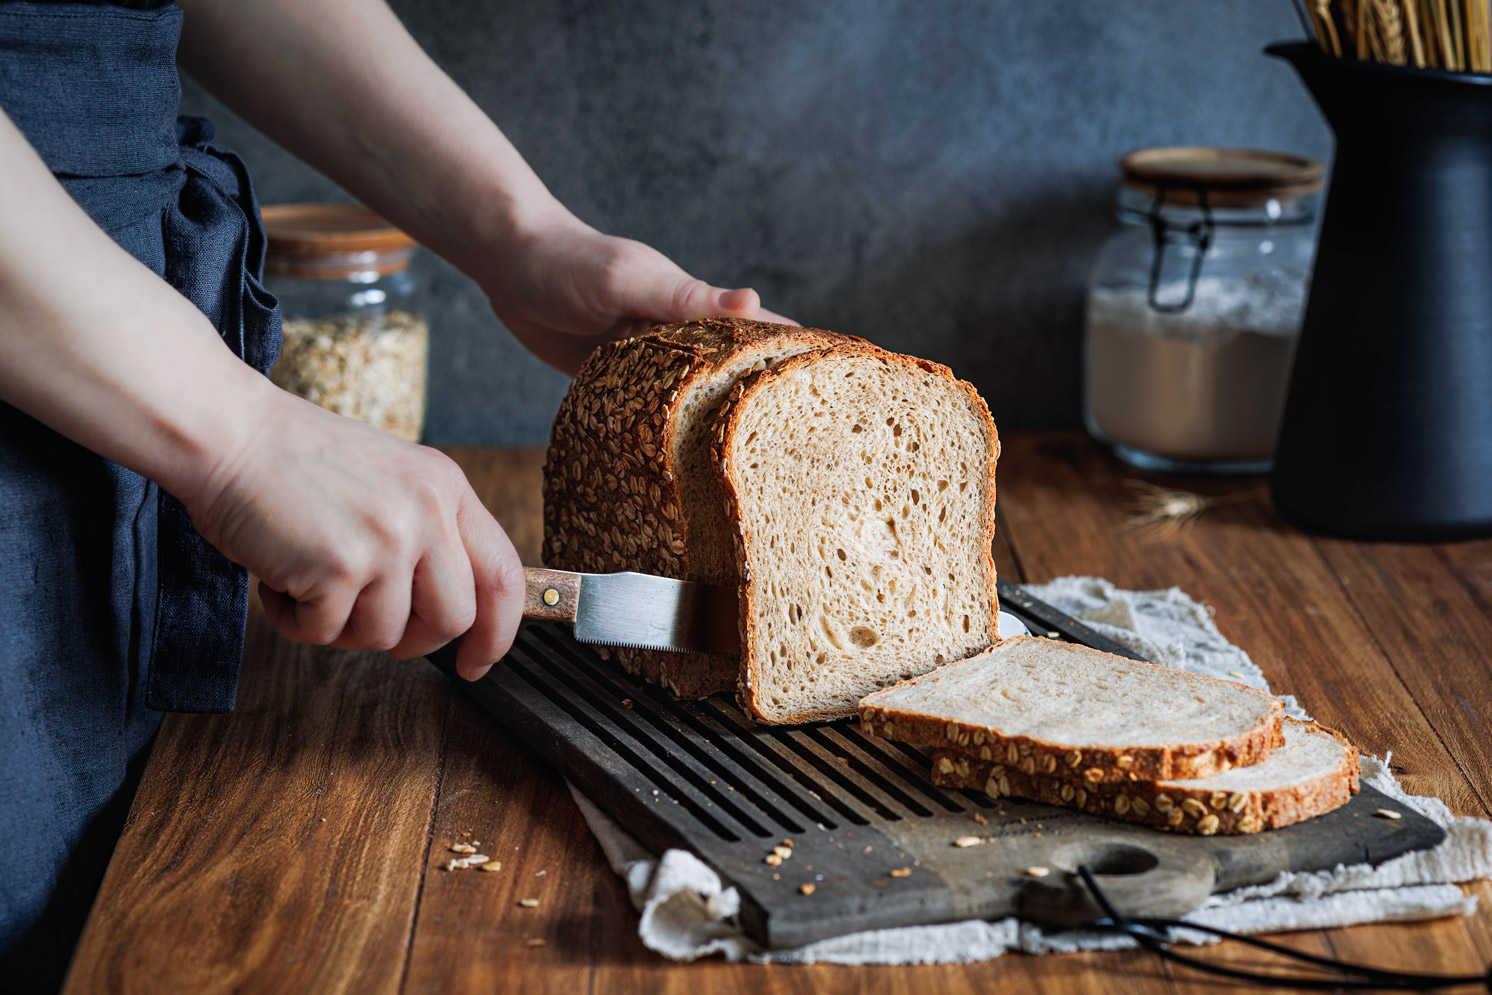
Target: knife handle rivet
{"type": "Point", "coordinates": [551, 597]}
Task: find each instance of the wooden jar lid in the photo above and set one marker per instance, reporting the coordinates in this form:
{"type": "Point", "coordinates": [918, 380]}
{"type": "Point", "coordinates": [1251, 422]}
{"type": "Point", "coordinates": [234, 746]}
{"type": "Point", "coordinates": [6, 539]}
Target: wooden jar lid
{"type": "Point", "coordinates": [1237, 178]}
{"type": "Point", "coordinates": [330, 241]}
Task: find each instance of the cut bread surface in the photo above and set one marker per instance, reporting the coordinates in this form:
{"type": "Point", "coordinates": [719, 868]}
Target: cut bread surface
{"type": "Point", "coordinates": [1313, 772]}
{"type": "Point", "coordinates": [1044, 705]}
{"type": "Point", "coordinates": [628, 482]}
{"type": "Point", "coordinates": [861, 488]}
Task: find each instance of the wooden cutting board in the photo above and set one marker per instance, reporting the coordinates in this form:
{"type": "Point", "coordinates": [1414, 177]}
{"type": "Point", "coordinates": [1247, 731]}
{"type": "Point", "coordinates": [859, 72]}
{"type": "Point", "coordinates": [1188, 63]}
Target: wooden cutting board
{"type": "Point", "coordinates": [870, 834]}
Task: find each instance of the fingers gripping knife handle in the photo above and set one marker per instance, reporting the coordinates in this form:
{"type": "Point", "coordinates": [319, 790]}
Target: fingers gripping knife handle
{"type": "Point", "coordinates": [548, 596]}
{"type": "Point", "coordinates": [635, 610]}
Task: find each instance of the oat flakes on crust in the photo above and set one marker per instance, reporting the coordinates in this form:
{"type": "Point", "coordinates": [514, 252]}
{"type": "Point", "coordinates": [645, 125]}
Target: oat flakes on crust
{"type": "Point", "coordinates": [611, 498]}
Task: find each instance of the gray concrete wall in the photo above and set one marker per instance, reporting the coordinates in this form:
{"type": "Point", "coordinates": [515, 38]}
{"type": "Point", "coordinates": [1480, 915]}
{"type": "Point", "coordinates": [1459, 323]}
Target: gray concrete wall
{"type": "Point", "coordinates": [935, 176]}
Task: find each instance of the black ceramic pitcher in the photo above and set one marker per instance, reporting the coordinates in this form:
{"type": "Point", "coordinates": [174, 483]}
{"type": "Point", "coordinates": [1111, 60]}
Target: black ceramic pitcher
{"type": "Point", "coordinates": [1387, 431]}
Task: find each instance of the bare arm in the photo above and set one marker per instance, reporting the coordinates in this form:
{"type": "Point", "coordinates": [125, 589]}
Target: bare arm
{"type": "Point", "coordinates": [344, 86]}
{"type": "Point", "coordinates": [98, 347]}
{"type": "Point", "coordinates": [360, 540]}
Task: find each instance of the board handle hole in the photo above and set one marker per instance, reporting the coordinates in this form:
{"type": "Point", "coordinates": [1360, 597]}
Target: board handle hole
{"type": "Point", "coordinates": [1111, 859]}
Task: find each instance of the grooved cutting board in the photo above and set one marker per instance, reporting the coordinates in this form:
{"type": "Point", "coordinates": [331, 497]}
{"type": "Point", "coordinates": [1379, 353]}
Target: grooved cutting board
{"type": "Point", "coordinates": [702, 777]}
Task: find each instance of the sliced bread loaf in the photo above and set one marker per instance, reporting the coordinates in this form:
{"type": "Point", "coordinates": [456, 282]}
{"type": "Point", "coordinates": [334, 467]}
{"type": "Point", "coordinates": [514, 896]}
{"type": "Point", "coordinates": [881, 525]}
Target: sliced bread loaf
{"type": "Point", "coordinates": [1041, 706]}
{"type": "Point", "coordinates": [628, 483]}
{"type": "Point", "coordinates": [861, 488]}
{"type": "Point", "coordinates": [1315, 771]}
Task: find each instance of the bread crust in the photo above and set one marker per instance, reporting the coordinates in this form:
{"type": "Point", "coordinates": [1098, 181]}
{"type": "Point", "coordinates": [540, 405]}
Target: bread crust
{"type": "Point", "coordinates": [1165, 806]}
{"type": "Point", "coordinates": [726, 426]}
{"type": "Point", "coordinates": [611, 494]}
{"type": "Point", "coordinates": [1096, 765]}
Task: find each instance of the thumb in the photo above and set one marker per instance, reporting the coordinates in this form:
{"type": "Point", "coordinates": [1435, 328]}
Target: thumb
{"type": "Point", "coordinates": [684, 298]}
{"type": "Point", "coordinates": [655, 287]}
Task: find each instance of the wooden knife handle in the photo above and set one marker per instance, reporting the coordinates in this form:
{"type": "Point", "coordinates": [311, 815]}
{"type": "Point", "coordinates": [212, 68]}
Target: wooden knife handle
{"type": "Point", "coordinates": [550, 595]}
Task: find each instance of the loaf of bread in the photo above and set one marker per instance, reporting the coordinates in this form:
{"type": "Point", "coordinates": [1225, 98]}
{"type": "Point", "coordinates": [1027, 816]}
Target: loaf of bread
{"type": "Point", "coordinates": [629, 483]}
{"type": "Point", "coordinates": [848, 492]}
{"type": "Point", "coordinates": [1042, 706]}
{"type": "Point", "coordinates": [860, 486]}
{"type": "Point", "coordinates": [1315, 771]}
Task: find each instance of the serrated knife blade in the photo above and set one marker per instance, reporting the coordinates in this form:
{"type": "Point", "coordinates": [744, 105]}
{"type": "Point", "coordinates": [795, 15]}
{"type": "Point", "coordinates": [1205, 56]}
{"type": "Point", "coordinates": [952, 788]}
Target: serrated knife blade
{"type": "Point", "coordinates": [636, 610]}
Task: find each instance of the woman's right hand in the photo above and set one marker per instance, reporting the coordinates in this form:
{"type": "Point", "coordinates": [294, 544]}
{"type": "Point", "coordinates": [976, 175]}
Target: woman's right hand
{"type": "Point", "coordinates": [360, 540]}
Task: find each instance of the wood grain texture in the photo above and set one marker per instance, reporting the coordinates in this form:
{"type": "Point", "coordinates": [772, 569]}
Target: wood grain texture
{"type": "Point", "coordinates": [279, 848]}
{"type": "Point", "coordinates": [227, 879]}
{"type": "Point", "coordinates": [550, 595]}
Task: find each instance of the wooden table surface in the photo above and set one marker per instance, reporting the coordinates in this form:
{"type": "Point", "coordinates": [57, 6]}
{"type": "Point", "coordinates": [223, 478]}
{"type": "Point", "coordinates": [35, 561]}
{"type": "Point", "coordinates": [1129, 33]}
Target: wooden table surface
{"type": "Point", "coordinates": [296, 844]}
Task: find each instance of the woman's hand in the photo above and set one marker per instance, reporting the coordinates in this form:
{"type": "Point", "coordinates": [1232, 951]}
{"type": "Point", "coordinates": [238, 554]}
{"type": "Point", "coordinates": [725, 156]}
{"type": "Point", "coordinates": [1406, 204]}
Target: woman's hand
{"type": "Point", "coordinates": [362, 541]}
{"type": "Point", "coordinates": [399, 135]}
{"type": "Point", "coordinates": [563, 288]}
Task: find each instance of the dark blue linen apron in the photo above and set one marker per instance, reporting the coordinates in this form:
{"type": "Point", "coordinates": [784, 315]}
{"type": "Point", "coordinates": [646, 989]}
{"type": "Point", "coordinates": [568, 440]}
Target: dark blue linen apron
{"type": "Point", "coordinates": [112, 608]}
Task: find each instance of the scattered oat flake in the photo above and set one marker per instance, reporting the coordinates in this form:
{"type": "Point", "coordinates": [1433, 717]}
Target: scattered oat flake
{"type": "Point", "coordinates": [787, 842]}
{"type": "Point", "coordinates": [843, 760]}
{"type": "Point", "coordinates": [463, 848]}
{"type": "Point", "coordinates": [772, 859]}
{"type": "Point", "coordinates": [902, 872]}
{"type": "Point", "coordinates": [1388, 813]}
{"type": "Point", "coordinates": [1038, 871]}
{"type": "Point", "coordinates": [495, 865]}
{"type": "Point", "coordinates": [323, 818]}
{"type": "Point", "coordinates": [1238, 674]}
{"type": "Point", "coordinates": [967, 841]}
{"type": "Point", "coordinates": [529, 903]}
{"type": "Point", "coordinates": [627, 702]}
{"type": "Point", "coordinates": [807, 888]}
{"type": "Point", "coordinates": [776, 877]}
{"type": "Point", "coordinates": [980, 819]}
{"type": "Point", "coordinates": [535, 942]}
{"type": "Point", "coordinates": [783, 851]}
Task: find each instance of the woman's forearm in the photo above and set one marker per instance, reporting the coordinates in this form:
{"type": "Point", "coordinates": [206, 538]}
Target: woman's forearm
{"type": "Point", "coordinates": [102, 350]}
{"type": "Point", "coordinates": [342, 84]}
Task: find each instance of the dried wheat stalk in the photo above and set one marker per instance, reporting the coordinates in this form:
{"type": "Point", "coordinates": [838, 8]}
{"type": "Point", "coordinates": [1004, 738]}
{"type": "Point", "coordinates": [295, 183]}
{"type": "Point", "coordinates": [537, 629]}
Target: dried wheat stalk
{"type": "Point", "coordinates": [1428, 34]}
{"type": "Point", "coordinates": [1390, 29]}
{"type": "Point", "coordinates": [1160, 513]}
{"type": "Point", "coordinates": [1326, 30]}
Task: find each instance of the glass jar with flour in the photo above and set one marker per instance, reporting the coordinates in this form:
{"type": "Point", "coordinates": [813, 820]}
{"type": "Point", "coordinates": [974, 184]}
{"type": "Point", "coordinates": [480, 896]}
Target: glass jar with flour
{"type": "Point", "coordinates": [1194, 307]}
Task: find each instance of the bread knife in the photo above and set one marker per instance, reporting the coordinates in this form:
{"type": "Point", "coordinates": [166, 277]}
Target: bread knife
{"type": "Point", "coordinates": [636, 610]}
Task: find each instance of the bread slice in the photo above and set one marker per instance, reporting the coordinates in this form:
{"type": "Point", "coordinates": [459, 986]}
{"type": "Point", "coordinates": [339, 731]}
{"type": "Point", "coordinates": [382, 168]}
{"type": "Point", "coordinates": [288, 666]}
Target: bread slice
{"type": "Point", "coordinates": [1041, 706]}
{"type": "Point", "coordinates": [628, 483]}
{"type": "Point", "coordinates": [1315, 771]}
{"type": "Point", "coordinates": [861, 485]}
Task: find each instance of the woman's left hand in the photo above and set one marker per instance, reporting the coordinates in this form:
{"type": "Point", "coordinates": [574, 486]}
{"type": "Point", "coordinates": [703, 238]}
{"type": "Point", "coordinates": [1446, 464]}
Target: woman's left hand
{"type": "Point", "coordinates": [564, 288]}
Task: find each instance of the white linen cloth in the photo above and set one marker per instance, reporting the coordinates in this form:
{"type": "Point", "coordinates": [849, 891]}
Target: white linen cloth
{"type": "Point", "coordinates": [688, 913]}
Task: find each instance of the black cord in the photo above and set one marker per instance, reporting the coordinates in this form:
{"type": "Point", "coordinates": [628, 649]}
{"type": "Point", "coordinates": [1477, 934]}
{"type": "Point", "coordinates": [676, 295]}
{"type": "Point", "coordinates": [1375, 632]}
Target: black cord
{"type": "Point", "coordinates": [1154, 935]}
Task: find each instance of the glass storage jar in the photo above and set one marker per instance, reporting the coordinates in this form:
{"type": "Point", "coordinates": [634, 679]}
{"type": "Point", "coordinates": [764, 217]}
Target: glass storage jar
{"type": "Point", "coordinates": [356, 339]}
{"type": "Point", "coordinates": [1195, 305]}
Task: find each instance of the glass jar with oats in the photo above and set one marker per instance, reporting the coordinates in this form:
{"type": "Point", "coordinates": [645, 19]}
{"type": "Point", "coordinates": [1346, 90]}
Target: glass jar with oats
{"type": "Point", "coordinates": [356, 339]}
{"type": "Point", "coordinates": [1195, 306]}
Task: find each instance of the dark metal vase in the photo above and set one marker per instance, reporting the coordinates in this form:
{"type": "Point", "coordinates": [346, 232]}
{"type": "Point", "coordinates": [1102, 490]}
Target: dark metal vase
{"type": "Point", "coordinates": [1387, 432]}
